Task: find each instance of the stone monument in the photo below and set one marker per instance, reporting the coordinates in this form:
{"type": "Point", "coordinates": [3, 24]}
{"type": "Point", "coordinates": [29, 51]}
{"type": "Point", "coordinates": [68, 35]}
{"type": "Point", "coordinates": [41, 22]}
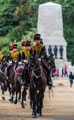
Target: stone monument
{"type": "Point", "coordinates": [50, 26]}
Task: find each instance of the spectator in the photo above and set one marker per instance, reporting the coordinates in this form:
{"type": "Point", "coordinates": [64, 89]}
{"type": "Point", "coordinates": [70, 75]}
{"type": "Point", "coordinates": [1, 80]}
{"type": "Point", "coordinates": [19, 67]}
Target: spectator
{"type": "Point", "coordinates": [65, 70]}
{"type": "Point", "coordinates": [71, 79]}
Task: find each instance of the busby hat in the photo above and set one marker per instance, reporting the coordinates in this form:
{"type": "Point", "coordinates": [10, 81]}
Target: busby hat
{"type": "Point", "coordinates": [14, 46]}
{"type": "Point", "coordinates": [28, 43]}
{"type": "Point", "coordinates": [0, 49]}
{"type": "Point", "coordinates": [10, 48]}
{"type": "Point", "coordinates": [36, 37]}
{"type": "Point", "coordinates": [24, 43]}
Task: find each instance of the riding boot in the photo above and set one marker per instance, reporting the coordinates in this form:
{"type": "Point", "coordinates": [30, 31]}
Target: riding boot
{"type": "Point", "coordinates": [49, 80]}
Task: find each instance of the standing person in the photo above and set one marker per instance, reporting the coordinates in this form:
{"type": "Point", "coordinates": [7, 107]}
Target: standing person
{"type": "Point", "coordinates": [71, 79]}
{"type": "Point", "coordinates": [65, 70]}
{"type": "Point", "coordinates": [1, 56]}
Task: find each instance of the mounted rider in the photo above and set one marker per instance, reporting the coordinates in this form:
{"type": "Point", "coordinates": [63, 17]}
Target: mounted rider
{"type": "Point", "coordinates": [12, 57]}
{"type": "Point", "coordinates": [24, 57]}
{"type": "Point", "coordinates": [1, 56]}
{"type": "Point", "coordinates": [41, 52]}
{"type": "Point", "coordinates": [8, 58]}
{"type": "Point", "coordinates": [24, 54]}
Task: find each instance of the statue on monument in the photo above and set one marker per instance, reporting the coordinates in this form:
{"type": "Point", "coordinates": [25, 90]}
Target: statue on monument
{"type": "Point", "coordinates": [55, 51]}
{"type": "Point", "coordinates": [50, 49]}
{"type": "Point", "coordinates": [61, 52]}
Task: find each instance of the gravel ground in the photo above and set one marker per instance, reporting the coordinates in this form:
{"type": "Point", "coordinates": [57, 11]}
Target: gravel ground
{"type": "Point", "coordinates": [58, 107]}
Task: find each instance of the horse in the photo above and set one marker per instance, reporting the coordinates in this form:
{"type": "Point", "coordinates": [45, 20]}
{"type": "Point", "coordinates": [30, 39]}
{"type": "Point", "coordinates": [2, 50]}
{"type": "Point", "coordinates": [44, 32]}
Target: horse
{"type": "Point", "coordinates": [3, 79]}
{"type": "Point", "coordinates": [50, 61]}
{"type": "Point", "coordinates": [20, 88]}
{"type": "Point", "coordinates": [11, 69]}
{"type": "Point", "coordinates": [38, 84]}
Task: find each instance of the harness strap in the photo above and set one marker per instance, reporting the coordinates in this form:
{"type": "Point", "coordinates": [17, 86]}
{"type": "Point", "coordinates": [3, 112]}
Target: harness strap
{"type": "Point", "coordinates": [12, 69]}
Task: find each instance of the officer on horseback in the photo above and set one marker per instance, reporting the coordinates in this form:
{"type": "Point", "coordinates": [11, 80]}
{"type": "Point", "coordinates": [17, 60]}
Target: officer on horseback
{"type": "Point", "coordinates": [24, 56]}
{"type": "Point", "coordinates": [12, 58]}
{"type": "Point", "coordinates": [41, 52]}
{"type": "Point", "coordinates": [8, 58]}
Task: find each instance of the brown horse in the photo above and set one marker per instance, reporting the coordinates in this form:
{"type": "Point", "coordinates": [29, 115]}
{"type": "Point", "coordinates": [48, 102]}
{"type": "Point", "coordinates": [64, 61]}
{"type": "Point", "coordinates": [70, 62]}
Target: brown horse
{"type": "Point", "coordinates": [3, 80]}
{"type": "Point", "coordinates": [19, 87]}
{"type": "Point", "coordinates": [38, 84]}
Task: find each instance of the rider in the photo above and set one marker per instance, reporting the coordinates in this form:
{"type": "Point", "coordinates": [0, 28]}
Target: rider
{"type": "Point", "coordinates": [8, 58]}
{"type": "Point", "coordinates": [14, 53]}
{"type": "Point", "coordinates": [41, 52]}
{"type": "Point", "coordinates": [25, 57]}
{"type": "Point", "coordinates": [1, 56]}
{"type": "Point", "coordinates": [12, 58]}
{"type": "Point", "coordinates": [22, 51]}
{"type": "Point", "coordinates": [24, 54]}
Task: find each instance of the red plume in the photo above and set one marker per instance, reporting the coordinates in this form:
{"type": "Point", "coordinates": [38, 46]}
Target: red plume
{"type": "Point", "coordinates": [12, 45]}
{"type": "Point", "coordinates": [25, 43]}
{"type": "Point", "coordinates": [34, 36]}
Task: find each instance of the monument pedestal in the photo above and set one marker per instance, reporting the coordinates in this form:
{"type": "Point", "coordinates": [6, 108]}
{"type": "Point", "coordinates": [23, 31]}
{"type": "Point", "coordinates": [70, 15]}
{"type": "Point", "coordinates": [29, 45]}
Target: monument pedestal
{"type": "Point", "coordinates": [50, 26]}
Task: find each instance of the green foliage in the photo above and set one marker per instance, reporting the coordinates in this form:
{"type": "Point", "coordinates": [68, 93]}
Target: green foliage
{"type": "Point", "coordinates": [7, 22]}
{"type": "Point", "coordinates": [18, 18]}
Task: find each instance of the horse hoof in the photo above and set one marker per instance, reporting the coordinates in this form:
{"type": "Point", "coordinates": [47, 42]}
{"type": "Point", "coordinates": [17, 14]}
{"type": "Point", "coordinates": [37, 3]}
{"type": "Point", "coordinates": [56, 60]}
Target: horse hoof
{"type": "Point", "coordinates": [15, 102]}
{"type": "Point", "coordinates": [32, 113]}
{"type": "Point", "coordinates": [40, 114]}
{"type": "Point", "coordinates": [23, 106]}
{"type": "Point", "coordinates": [3, 98]}
{"type": "Point", "coordinates": [35, 116]}
{"type": "Point", "coordinates": [11, 101]}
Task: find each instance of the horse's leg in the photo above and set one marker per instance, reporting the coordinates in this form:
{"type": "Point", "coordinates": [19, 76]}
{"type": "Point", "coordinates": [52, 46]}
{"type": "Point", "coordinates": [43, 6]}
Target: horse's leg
{"type": "Point", "coordinates": [23, 103]}
{"type": "Point", "coordinates": [19, 93]}
{"type": "Point", "coordinates": [2, 88]}
{"type": "Point", "coordinates": [34, 113]}
{"type": "Point", "coordinates": [15, 102]}
{"type": "Point", "coordinates": [12, 92]}
{"type": "Point", "coordinates": [31, 98]}
{"type": "Point", "coordinates": [41, 102]}
{"type": "Point", "coordinates": [9, 89]}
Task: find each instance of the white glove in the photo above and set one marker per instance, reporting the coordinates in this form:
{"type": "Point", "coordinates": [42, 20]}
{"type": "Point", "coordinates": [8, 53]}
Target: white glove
{"type": "Point", "coordinates": [39, 59]}
{"type": "Point", "coordinates": [25, 61]}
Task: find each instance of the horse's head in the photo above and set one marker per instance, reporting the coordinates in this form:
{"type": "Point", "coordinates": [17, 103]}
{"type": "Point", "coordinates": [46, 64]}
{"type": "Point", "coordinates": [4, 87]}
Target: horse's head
{"type": "Point", "coordinates": [3, 64]}
{"type": "Point", "coordinates": [51, 63]}
{"type": "Point", "coordinates": [33, 61]}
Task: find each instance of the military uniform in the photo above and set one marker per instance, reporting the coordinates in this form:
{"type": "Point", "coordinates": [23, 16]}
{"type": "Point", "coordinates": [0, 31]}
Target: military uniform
{"type": "Point", "coordinates": [13, 54]}
{"type": "Point", "coordinates": [24, 54]}
{"type": "Point", "coordinates": [1, 57]}
{"type": "Point", "coordinates": [40, 50]}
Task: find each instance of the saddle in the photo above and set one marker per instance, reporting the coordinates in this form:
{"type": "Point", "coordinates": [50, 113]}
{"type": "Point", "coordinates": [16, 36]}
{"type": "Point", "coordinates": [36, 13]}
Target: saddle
{"type": "Point", "coordinates": [19, 71]}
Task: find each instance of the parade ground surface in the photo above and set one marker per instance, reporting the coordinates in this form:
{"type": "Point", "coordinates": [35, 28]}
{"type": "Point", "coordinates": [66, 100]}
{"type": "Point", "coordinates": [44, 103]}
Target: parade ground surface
{"type": "Point", "coordinates": [58, 107]}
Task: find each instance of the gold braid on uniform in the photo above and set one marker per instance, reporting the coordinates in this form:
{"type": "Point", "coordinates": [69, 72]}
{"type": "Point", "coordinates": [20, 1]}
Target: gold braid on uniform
{"type": "Point", "coordinates": [1, 56]}
{"type": "Point", "coordinates": [14, 55]}
{"type": "Point", "coordinates": [38, 49]}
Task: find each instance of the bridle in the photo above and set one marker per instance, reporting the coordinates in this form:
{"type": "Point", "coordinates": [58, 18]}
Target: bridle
{"type": "Point", "coordinates": [37, 76]}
